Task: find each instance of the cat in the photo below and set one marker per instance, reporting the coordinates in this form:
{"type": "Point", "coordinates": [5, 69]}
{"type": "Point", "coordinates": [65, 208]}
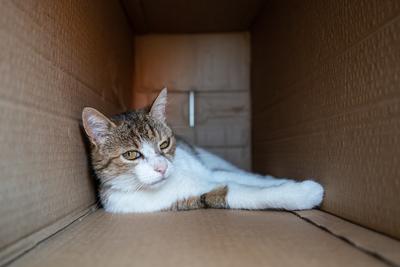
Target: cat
{"type": "Point", "coordinates": [143, 167]}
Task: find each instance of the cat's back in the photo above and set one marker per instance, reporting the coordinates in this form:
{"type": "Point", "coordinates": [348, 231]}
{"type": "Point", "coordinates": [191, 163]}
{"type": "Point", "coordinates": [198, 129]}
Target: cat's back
{"type": "Point", "coordinates": [207, 159]}
{"type": "Point", "coordinates": [186, 153]}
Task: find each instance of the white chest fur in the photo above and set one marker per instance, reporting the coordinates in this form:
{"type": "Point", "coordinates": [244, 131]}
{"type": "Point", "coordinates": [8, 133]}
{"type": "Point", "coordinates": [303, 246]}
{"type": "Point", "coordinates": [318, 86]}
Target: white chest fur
{"type": "Point", "coordinates": [188, 178]}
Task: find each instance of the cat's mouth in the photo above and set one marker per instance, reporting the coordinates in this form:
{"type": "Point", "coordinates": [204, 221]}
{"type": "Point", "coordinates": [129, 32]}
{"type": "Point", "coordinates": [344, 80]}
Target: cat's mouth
{"type": "Point", "coordinates": [157, 182]}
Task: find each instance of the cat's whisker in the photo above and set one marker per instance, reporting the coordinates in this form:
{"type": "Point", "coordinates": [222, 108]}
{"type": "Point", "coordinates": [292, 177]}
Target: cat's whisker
{"type": "Point", "coordinates": [140, 187]}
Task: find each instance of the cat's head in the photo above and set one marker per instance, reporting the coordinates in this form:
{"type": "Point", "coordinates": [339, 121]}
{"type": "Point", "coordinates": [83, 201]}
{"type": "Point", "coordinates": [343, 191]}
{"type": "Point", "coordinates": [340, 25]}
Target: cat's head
{"type": "Point", "coordinates": [134, 150]}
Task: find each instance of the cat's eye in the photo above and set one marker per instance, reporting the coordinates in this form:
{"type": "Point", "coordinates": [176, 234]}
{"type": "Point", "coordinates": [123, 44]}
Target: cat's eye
{"type": "Point", "coordinates": [132, 155]}
{"type": "Point", "coordinates": [164, 144]}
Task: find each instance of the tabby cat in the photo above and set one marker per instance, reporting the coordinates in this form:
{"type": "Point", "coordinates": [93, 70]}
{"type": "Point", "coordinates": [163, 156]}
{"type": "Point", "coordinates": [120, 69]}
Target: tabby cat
{"type": "Point", "coordinates": [143, 167]}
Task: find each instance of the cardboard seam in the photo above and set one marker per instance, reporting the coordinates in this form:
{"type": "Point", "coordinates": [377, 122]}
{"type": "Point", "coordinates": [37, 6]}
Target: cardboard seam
{"type": "Point", "coordinates": [374, 254]}
{"type": "Point", "coordinates": [263, 9]}
{"type": "Point", "coordinates": [126, 14]}
{"type": "Point", "coordinates": [18, 249]}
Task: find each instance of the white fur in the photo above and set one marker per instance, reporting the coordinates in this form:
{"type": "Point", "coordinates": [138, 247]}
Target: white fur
{"type": "Point", "coordinates": [188, 176]}
{"type": "Point", "coordinates": [145, 169]}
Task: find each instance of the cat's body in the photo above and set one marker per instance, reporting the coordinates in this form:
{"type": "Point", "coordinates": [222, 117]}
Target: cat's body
{"type": "Point", "coordinates": [142, 167]}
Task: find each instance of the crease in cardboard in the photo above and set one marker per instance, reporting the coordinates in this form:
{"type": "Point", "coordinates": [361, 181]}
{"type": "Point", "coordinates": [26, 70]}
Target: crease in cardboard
{"type": "Point", "coordinates": [195, 238]}
{"type": "Point", "coordinates": [26, 244]}
{"type": "Point", "coordinates": [377, 250]}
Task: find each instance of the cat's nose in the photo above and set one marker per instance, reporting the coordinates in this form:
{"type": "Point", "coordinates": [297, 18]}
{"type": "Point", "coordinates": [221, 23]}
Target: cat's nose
{"type": "Point", "coordinates": [161, 168]}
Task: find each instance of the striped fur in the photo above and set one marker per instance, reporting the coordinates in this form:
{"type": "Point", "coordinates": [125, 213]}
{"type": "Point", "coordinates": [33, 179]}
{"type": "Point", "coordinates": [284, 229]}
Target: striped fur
{"type": "Point", "coordinates": [215, 199]}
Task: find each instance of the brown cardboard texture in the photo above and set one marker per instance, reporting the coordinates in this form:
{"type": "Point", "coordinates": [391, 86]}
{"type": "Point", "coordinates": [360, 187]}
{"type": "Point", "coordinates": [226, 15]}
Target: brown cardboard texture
{"type": "Point", "coordinates": [196, 238]}
{"type": "Point", "coordinates": [217, 68]}
{"type": "Point", "coordinates": [55, 58]}
{"type": "Point", "coordinates": [325, 84]}
{"type": "Point", "coordinates": [369, 241]}
{"type": "Point", "coordinates": [312, 87]}
{"type": "Point", "coordinates": [177, 16]}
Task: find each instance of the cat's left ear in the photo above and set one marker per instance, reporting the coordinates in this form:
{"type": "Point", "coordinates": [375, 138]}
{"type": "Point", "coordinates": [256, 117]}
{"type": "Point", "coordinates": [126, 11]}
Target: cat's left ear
{"type": "Point", "coordinates": [96, 125]}
{"type": "Point", "coordinates": [158, 108]}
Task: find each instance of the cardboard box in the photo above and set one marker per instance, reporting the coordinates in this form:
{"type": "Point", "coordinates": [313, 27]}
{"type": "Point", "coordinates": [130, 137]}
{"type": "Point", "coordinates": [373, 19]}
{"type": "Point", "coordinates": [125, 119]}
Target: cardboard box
{"type": "Point", "coordinates": [325, 101]}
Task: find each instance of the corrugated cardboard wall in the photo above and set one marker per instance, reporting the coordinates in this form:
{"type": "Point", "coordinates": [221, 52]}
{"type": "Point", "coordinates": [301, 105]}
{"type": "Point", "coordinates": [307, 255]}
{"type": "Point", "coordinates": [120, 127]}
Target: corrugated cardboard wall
{"type": "Point", "coordinates": [55, 58]}
{"type": "Point", "coordinates": [326, 102]}
{"type": "Point", "coordinates": [215, 66]}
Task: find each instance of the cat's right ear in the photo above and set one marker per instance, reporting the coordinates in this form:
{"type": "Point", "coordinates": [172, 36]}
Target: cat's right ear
{"type": "Point", "coordinates": [96, 125]}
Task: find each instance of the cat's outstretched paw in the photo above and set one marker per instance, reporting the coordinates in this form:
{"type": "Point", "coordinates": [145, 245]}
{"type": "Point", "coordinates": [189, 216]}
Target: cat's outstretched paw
{"type": "Point", "coordinates": [312, 194]}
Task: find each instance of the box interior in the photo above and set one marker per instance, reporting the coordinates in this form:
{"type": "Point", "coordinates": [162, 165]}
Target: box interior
{"type": "Point", "coordinates": [292, 89]}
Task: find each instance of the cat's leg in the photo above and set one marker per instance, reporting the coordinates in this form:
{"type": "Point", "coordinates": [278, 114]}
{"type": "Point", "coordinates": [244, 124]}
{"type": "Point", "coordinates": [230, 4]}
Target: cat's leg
{"type": "Point", "coordinates": [288, 196]}
{"type": "Point", "coordinates": [247, 178]}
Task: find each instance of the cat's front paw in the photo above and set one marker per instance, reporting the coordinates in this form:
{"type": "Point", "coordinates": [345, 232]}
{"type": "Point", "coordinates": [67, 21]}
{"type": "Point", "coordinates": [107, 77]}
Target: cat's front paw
{"type": "Point", "coordinates": [312, 194]}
